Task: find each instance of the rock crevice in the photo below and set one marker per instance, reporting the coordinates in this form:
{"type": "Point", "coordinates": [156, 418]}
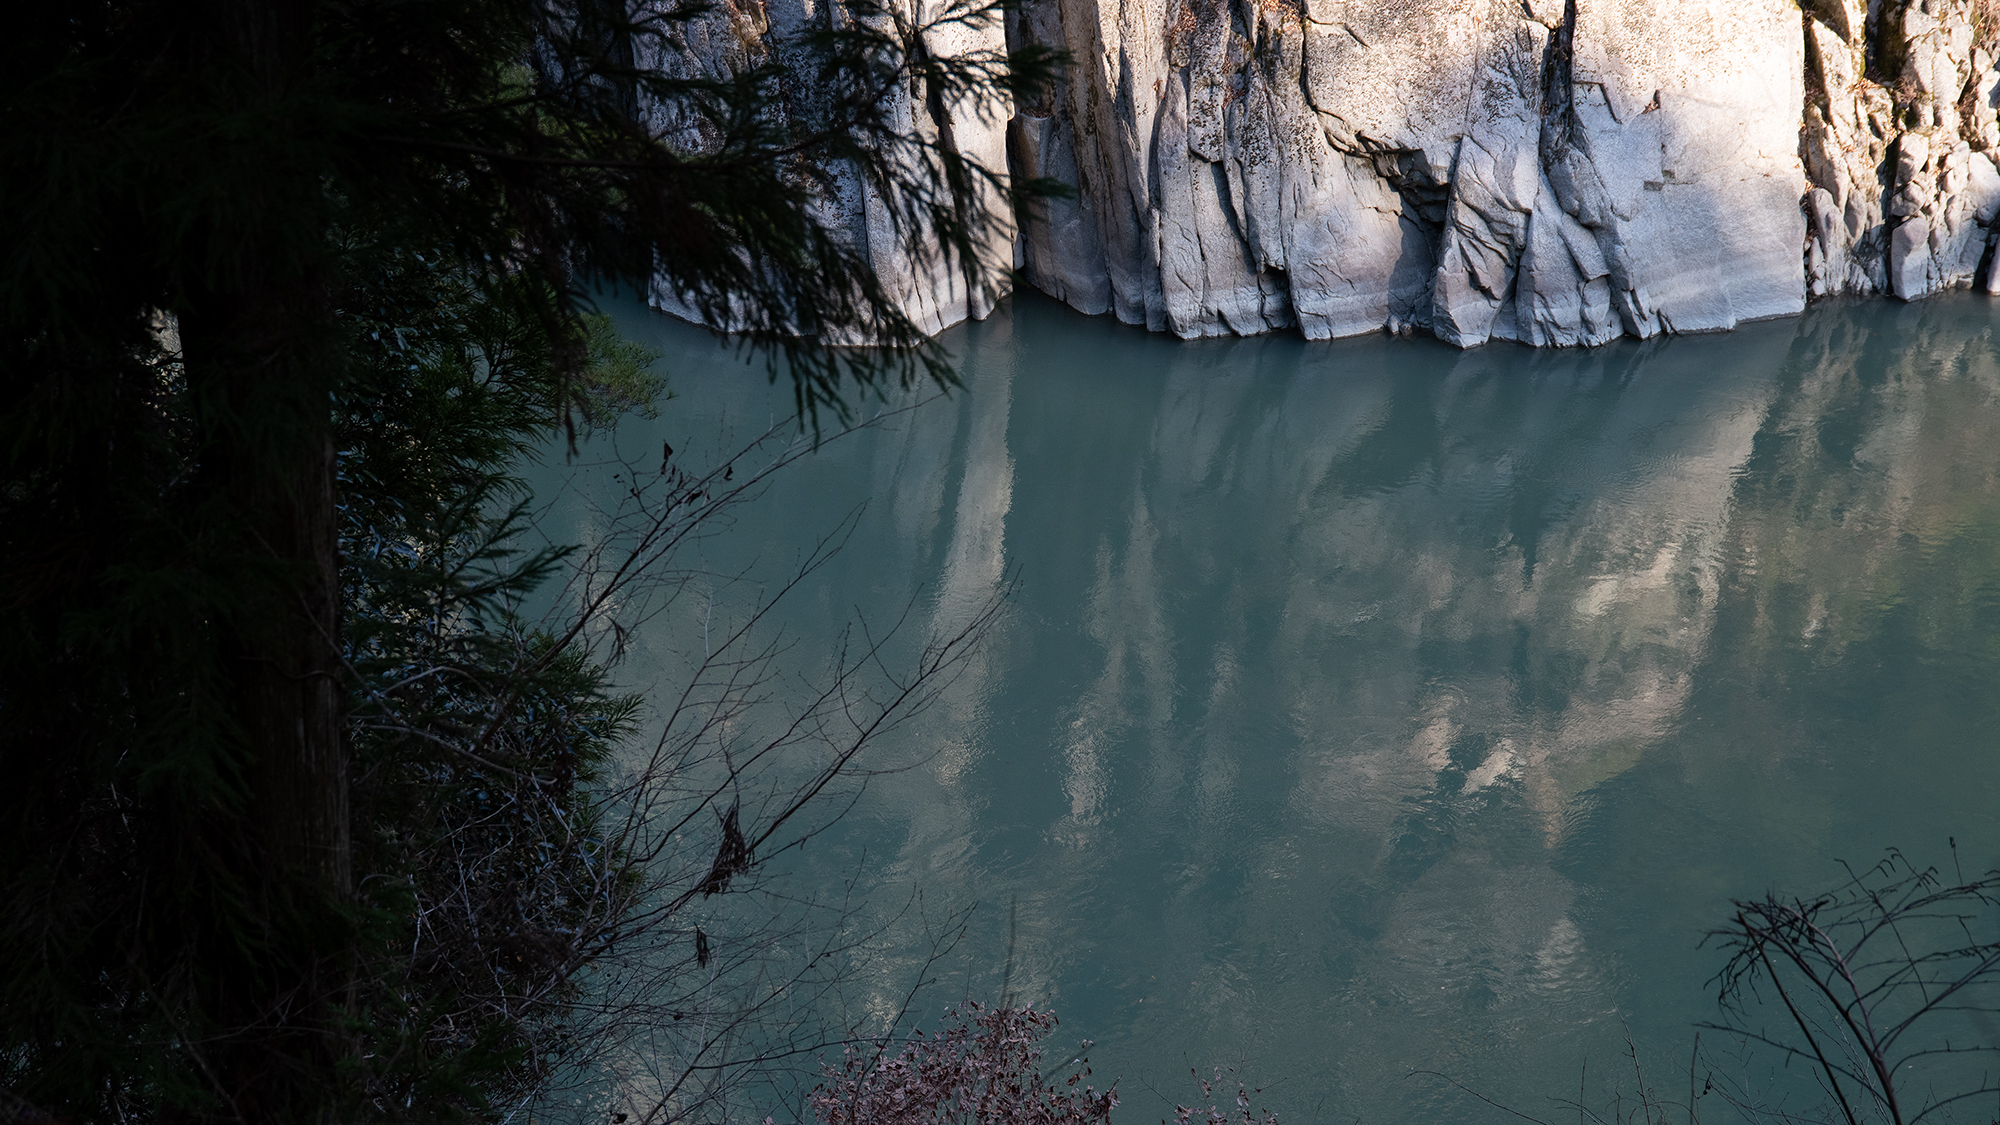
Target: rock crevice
{"type": "Point", "coordinates": [1557, 172]}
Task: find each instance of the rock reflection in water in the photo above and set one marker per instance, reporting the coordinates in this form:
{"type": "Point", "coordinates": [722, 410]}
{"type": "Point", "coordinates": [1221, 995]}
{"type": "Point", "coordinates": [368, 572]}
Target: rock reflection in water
{"type": "Point", "coordinates": [1375, 706]}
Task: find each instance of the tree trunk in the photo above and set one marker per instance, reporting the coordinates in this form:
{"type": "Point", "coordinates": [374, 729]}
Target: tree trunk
{"type": "Point", "coordinates": [262, 360]}
{"type": "Point", "coordinates": [259, 364]}
{"type": "Point", "coordinates": [285, 661]}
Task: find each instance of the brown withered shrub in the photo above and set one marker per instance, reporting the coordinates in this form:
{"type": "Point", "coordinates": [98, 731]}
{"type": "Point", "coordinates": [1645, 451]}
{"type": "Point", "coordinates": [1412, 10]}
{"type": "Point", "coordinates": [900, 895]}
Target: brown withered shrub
{"type": "Point", "coordinates": [983, 1068]}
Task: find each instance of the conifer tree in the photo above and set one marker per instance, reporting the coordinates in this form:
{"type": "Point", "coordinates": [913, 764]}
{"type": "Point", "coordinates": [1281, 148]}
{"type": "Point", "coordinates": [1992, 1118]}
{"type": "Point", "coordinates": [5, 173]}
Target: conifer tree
{"type": "Point", "coordinates": [199, 198]}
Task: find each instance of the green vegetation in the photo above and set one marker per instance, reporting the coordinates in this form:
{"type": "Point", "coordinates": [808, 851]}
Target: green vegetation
{"type": "Point", "coordinates": [300, 821]}
{"type": "Point", "coordinates": [477, 743]}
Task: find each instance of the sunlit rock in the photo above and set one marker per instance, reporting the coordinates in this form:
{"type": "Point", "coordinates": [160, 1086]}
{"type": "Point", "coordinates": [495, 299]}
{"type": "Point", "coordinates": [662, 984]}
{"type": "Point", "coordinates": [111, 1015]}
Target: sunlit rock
{"type": "Point", "coordinates": [1558, 172]}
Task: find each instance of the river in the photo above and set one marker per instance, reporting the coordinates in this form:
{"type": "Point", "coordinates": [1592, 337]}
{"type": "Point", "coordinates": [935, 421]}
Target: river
{"type": "Point", "coordinates": [1371, 708]}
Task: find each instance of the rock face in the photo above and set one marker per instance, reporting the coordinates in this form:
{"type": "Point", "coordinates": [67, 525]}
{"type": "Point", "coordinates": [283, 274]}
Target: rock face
{"type": "Point", "coordinates": [934, 291]}
{"type": "Point", "coordinates": [1557, 172]}
{"type": "Point", "coordinates": [1899, 137]}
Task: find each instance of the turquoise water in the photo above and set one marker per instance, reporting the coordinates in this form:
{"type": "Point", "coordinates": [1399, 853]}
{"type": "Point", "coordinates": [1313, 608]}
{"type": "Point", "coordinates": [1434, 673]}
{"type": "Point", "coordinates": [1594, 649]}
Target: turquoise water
{"type": "Point", "coordinates": [1371, 708]}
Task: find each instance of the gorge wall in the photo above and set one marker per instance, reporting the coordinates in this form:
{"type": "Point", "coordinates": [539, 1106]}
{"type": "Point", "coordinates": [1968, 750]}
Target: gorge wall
{"type": "Point", "coordinates": [1557, 172]}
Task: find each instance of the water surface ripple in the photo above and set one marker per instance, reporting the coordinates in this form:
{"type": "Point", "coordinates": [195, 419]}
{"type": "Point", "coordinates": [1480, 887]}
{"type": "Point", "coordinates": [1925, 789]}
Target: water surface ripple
{"type": "Point", "coordinates": [1372, 707]}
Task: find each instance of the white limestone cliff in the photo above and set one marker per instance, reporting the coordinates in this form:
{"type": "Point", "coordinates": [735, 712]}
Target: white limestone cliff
{"type": "Point", "coordinates": [1557, 172]}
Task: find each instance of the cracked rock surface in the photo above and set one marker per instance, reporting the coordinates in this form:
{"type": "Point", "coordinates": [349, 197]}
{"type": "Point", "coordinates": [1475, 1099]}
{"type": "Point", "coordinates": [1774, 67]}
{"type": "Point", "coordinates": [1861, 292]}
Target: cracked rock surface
{"type": "Point", "coordinates": [1899, 138]}
{"type": "Point", "coordinates": [1557, 172]}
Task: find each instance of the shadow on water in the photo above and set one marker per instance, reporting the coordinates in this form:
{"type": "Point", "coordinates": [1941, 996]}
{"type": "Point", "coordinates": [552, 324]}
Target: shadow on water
{"type": "Point", "coordinates": [1372, 706]}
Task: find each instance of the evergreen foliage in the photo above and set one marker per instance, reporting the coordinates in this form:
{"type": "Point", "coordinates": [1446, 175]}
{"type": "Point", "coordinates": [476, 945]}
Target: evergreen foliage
{"type": "Point", "coordinates": [488, 882]}
{"type": "Point", "coordinates": [287, 285]}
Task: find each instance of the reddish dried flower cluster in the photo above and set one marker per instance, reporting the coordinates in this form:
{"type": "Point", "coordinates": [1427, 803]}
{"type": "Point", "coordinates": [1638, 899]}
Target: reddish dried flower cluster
{"type": "Point", "coordinates": [984, 1068]}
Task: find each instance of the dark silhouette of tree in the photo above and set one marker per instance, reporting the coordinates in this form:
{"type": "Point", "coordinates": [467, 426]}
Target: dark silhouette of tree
{"type": "Point", "coordinates": [215, 210]}
{"type": "Point", "coordinates": [1886, 987]}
